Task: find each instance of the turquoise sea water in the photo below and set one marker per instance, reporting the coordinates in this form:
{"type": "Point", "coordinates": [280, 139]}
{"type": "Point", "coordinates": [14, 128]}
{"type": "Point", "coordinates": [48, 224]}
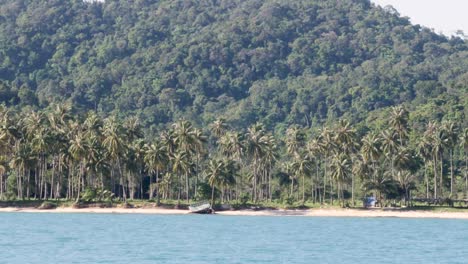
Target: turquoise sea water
{"type": "Point", "coordinates": [135, 238]}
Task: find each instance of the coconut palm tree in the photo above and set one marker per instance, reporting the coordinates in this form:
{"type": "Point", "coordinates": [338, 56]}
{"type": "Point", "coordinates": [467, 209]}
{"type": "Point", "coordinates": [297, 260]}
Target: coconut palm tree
{"type": "Point", "coordinates": [181, 166]}
{"type": "Point", "coordinates": [232, 147]}
{"type": "Point", "coordinates": [424, 148]}
{"type": "Point", "coordinates": [464, 145]}
{"type": "Point", "coordinates": [219, 127]}
{"type": "Point", "coordinates": [405, 180]}
{"type": "Point", "coordinates": [340, 172]}
{"type": "Point", "coordinates": [78, 151]}
{"type": "Point", "coordinates": [255, 146]}
{"type": "Point", "coordinates": [156, 159]}
{"type": "Point", "coordinates": [390, 148]}
{"type": "Point", "coordinates": [302, 167]}
{"type": "Point", "coordinates": [313, 149]}
{"type": "Point", "coordinates": [450, 129]}
{"type": "Point", "coordinates": [295, 140]}
{"type": "Point", "coordinates": [399, 123]}
{"type": "Point", "coordinates": [214, 173]}
{"type": "Point", "coordinates": [116, 149]}
{"type": "Point", "coordinates": [345, 137]}
{"type": "Point", "coordinates": [328, 147]}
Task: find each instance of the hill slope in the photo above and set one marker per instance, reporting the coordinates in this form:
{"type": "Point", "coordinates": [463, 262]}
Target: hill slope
{"type": "Point", "coordinates": [279, 62]}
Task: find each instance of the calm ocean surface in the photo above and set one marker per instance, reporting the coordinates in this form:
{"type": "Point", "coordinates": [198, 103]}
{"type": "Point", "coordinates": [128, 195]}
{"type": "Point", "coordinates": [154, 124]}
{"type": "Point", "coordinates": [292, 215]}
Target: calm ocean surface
{"type": "Point", "coordinates": [134, 238]}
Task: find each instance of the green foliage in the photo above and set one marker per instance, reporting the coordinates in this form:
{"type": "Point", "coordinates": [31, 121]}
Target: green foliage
{"type": "Point", "coordinates": [277, 62]}
{"type": "Point", "coordinates": [91, 194]}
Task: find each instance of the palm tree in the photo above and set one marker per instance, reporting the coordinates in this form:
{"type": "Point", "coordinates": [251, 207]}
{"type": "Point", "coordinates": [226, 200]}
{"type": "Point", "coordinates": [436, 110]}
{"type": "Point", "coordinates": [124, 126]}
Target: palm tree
{"type": "Point", "coordinates": [219, 127]}
{"type": "Point", "coordinates": [78, 150]}
{"type": "Point", "coordinates": [345, 137]}
{"type": "Point", "coordinates": [302, 167]}
{"type": "Point", "coordinates": [340, 171]}
{"type": "Point", "coordinates": [256, 144]}
{"type": "Point", "coordinates": [313, 149]}
{"type": "Point", "coordinates": [214, 172]}
{"type": "Point", "coordinates": [156, 159]}
{"type": "Point", "coordinates": [424, 150]}
{"type": "Point", "coordinates": [464, 145]}
{"type": "Point", "coordinates": [390, 148]}
{"type": "Point", "coordinates": [371, 150]}
{"type": "Point", "coordinates": [232, 147]}
{"type": "Point", "coordinates": [405, 180]}
{"type": "Point", "coordinates": [399, 122]}
{"type": "Point", "coordinates": [450, 129]}
{"type": "Point", "coordinates": [327, 147]}
{"type": "Point", "coordinates": [115, 148]}
{"type": "Point", "coordinates": [382, 184]}
{"type": "Point", "coordinates": [181, 165]}
{"type": "Point", "coordinates": [21, 161]}
{"type": "Point", "coordinates": [295, 140]}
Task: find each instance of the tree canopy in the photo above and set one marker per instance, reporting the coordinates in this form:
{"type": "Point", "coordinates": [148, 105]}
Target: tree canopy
{"type": "Point", "coordinates": [277, 62]}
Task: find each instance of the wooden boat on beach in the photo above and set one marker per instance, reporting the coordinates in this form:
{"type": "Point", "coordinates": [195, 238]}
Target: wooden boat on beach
{"type": "Point", "coordinates": [202, 207]}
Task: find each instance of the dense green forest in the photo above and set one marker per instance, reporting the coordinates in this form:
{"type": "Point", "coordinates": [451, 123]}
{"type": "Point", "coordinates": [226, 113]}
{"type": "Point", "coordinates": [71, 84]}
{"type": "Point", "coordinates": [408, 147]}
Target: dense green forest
{"type": "Point", "coordinates": [276, 62]}
{"type": "Point", "coordinates": [255, 100]}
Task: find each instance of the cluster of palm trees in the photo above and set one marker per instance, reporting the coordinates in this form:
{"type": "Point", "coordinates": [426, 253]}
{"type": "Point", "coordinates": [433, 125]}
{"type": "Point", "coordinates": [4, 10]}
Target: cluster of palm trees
{"type": "Point", "coordinates": [52, 153]}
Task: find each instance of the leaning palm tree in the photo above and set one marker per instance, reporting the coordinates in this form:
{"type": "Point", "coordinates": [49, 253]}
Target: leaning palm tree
{"type": "Point", "coordinates": [214, 173]}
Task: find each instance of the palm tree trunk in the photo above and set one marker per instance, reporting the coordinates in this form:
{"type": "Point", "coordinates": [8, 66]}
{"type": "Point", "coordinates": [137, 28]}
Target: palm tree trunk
{"type": "Point", "coordinates": [441, 176]}
{"type": "Point", "coordinates": [212, 195]}
{"type": "Point", "coordinates": [158, 197]}
{"type": "Point", "coordinates": [451, 173]}
{"type": "Point", "coordinates": [434, 161]}
{"type": "Point", "coordinates": [187, 187]}
{"type": "Point", "coordinates": [303, 189]}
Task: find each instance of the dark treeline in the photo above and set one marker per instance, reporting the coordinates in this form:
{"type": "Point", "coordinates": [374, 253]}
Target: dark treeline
{"type": "Point", "coordinates": [277, 62]}
{"type": "Point", "coordinates": [53, 153]}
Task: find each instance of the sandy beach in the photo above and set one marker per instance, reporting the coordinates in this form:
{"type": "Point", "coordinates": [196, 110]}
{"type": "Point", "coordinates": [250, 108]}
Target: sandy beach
{"type": "Point", "coordinates": [268, 212]}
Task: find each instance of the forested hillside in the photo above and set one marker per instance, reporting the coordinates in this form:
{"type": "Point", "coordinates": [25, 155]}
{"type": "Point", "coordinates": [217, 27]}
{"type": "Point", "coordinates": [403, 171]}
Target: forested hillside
{"type": "Point", "coordinates": [276, 61]}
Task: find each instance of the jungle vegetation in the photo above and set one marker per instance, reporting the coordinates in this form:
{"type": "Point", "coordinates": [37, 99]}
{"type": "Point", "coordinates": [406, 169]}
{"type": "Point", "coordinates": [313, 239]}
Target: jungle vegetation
{"type": "Point", "coordinates": [243, 99]}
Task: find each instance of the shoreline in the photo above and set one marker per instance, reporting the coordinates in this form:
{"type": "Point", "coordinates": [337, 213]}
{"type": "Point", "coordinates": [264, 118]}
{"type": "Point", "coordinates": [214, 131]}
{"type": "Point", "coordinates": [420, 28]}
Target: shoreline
{"type": "Point", "coordinates": [365, 213]}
